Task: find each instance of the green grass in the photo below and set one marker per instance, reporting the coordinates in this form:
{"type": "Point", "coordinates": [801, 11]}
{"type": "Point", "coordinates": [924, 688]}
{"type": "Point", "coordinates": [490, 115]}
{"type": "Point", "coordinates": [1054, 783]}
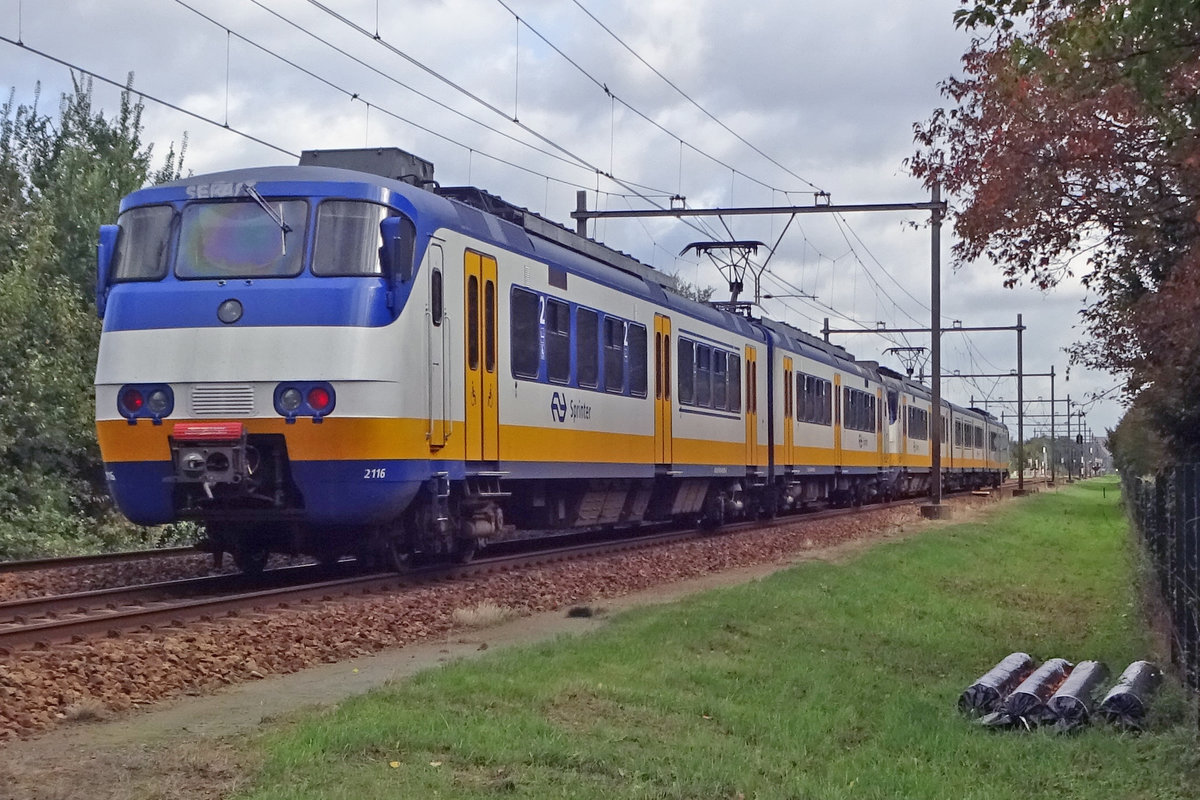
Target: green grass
{"type": "Point", "coordinates": [824, 681]}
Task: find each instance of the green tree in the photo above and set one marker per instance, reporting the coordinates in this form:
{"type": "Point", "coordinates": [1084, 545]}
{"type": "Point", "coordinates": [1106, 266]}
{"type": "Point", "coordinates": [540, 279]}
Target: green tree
{"type": "Point", "coordinates": [692, 291]}
{"type": "Point", "coordinates": [60, 178]}
{"type": "Point", "coordinates": [1071, 147]}
{"type": "Point", "coordinates": [1136, 447]}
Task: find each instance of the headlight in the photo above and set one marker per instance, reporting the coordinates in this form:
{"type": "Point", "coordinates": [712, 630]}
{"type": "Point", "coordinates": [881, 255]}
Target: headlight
{"type": "Point", "coordinates": [158, 402]}
{"type": "Point", "coordinates": [230, 311]}
{"type": "Point", "coordinates": [290, 399]}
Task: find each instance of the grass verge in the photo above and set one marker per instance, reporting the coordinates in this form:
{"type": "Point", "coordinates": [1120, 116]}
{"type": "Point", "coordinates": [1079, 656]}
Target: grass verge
{"type": "Point", "coordinates": [823, 681]}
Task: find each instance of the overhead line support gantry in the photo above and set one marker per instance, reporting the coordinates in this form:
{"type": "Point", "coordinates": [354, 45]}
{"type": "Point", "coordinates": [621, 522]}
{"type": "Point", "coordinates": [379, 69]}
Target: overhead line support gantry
{"type": "Point", "coordinates": [821, 205]}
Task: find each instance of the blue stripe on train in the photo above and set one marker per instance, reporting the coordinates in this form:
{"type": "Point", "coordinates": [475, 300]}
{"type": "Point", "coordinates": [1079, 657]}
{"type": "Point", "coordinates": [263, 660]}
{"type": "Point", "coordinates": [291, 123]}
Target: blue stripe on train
{"type": "Point", "coordinates": [334, 492]}
{"type": "Point", "coordinates": [303, 300]}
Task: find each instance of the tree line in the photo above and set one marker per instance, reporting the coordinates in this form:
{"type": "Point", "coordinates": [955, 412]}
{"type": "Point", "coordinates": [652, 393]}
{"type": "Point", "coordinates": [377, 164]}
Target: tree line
{"type": "Point", "coordinates": [62, 175]}
{"type": "Point", "coordinates": [1071, 146]}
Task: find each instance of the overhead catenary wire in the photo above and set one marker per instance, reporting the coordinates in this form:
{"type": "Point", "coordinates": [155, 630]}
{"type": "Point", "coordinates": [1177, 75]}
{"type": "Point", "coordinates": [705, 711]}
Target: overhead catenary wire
{"type": "Point", "coordinates": [165, 103]}
{"type": "Point", "coordinates": [689, 98]}
{"type": "Point", "coordinates": [357, 96]}
{"type": "Point", "coordinates": [484, 103]}
{"type": "Point", "coordinates": [613, 97]}
{"type": "Point", "coordinates": [424, 96]}
{"type": "Point", "coordinates": [639, 190]}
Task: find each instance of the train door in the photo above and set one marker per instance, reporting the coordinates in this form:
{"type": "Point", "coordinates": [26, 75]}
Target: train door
{"type": "Point", "coordinates": [789, 413]}
{"type": "Point", "coordinates": [662, 390]}
{"type": "Point", "coordinates": [482, 388]}
{"type": "Point", "coordinates": [751, 406]}
{"type": "Point", "coordinates": [438, 429]}
{"type": "Point", "coordinates": [837, 420]}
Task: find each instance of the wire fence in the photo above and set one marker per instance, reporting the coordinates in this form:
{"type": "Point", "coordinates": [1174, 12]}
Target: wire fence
{"type": "Point", "coordinates": [1165, 510]}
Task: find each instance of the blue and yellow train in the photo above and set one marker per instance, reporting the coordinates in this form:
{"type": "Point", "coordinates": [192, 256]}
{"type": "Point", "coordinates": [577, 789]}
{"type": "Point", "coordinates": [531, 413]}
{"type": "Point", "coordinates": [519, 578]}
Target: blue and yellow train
{"type": "Point", "coordinates": [342, 356]}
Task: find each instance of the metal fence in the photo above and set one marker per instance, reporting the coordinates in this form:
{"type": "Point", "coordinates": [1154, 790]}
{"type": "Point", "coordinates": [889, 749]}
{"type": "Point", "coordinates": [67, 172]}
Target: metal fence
{"type": "Point", "coordinates": [1165, 510]}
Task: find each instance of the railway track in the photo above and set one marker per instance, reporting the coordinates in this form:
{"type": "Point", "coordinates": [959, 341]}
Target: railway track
{"type": "Point", "coordinates": [45, 621]}
{"type": "Point", "coordinates": [63, 562]}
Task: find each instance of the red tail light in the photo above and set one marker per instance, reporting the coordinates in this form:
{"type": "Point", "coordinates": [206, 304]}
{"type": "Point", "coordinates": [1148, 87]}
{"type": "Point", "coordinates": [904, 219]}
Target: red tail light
{"type": "Point", "coordinates": [319, 398]}
{"type": "Point", "coordinates": [132, 401]}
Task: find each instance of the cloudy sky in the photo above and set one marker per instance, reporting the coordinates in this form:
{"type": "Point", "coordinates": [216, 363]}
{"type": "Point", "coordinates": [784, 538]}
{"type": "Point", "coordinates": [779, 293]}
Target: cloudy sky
{"type": "Point", "coordinates": [726, 104]}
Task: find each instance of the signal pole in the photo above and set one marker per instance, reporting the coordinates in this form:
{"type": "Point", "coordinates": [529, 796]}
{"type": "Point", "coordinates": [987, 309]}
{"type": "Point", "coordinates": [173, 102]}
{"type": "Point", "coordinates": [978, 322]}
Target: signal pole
{"type": "Point", "coordinates": [935, 509]}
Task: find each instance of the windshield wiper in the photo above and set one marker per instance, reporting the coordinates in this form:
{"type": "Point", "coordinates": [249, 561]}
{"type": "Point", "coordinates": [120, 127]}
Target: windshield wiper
{"type": "Point", "coordinates": [278, 219]}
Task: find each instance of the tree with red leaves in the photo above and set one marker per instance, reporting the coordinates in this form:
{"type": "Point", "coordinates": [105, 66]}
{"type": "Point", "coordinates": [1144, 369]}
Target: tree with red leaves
{"type": "Point", "coordinates": [1073, 148]}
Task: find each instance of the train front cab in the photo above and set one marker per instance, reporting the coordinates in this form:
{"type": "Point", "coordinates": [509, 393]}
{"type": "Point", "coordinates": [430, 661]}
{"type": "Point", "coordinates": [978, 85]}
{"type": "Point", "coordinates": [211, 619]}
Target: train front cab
{"type": "Point", "coordinates": [240, 380]}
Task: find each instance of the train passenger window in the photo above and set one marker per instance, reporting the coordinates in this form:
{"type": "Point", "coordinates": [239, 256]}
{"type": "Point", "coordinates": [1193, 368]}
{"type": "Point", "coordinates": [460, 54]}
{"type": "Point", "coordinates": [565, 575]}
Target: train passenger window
{"type": "Point", "coordinates": [752, 389]}
{"type": "Point", "coordinates": [489, 326]}
{"type": "Point", "coordinates": [142, 245]}
{"type": "Point", "coordinates": [918, 423]}
{"type": "Point", "coordinates": [240, 239]}
{"type": "Point", "coordinates": [558, 341]}
{"type": "Point", "coordinates": [703, 375]}
{"type": "Point", "coordinates": [348, 238]}
{"type": "Point", "coordinates": [614, 355]}
{"type": "Point", "coordinates": [473, 322]}
{"type": "Point", "coordinates": [637, 359]}
{"type": "Point", "coordinates": [735, 383]}
{"type": "Point", "coordinates": [435, 296]}
{"type": "Point", "coordinates": [979, 438]}
{"type": "Point", "coordinates": [658, 365]}
{"type": "Point", "coordinates": [789, 403]}
{"type": "Point", "coordinates": [687, 377]}
{"type": "Point", "coordinates": [718, 381]}
{"type": "Point", "coordinates": [526, 350]}
{"type": "Point", "coordinates": [860, 410]}
{"type": "Point", "coordinates": [587, 347]}
{"type": "Point", "coordinates": [666, 365]}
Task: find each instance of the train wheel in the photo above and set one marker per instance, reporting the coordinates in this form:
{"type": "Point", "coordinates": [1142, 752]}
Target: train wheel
{"type": "Point", "coordinates": [249, 559]}
{"type": "Point", "coordinates": [464, 551]}
{"type": "Point", "coordinates": [397, 555]}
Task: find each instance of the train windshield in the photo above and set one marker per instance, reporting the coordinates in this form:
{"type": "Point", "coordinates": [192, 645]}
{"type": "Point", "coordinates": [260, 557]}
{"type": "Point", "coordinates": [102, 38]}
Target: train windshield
{"type": "Point", "coordinates": [242, 239]}
{"type": "Point", "coordinates": [348, 238]}
{"type": "Point", "coordinates": [142, 246]}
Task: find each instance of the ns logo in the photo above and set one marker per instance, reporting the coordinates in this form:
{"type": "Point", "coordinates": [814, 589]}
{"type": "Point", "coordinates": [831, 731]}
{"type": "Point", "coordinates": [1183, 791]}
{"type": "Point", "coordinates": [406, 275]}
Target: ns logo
{"type": "Point", "coordinates": [558, 407]}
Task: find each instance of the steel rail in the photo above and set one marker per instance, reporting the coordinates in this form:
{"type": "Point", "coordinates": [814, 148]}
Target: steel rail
{"type": "Point", "coordinates": [100, 600]}
{"type": "Point", "coordinates": [59, 562]}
